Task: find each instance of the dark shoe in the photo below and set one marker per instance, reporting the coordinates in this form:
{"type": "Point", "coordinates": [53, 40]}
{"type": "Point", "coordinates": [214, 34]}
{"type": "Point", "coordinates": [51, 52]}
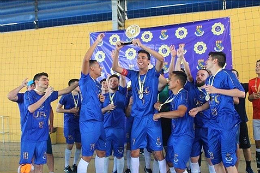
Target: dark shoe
{"type": "Point", "coordinates": [147, 170]}
{"type": "Point", "coordinates": [249, 170]}
{"type": "Point", "coordinates": [68, 169]}
{"type": "Point", "coordinates": [188, 170]}
{"type": "Point", "coordinates": [74, 168]}
{"type": "Point", "coordinates": [127, 171]}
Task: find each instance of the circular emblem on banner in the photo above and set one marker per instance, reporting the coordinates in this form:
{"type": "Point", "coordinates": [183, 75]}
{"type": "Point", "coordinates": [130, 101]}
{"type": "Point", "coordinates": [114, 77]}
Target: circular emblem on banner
{"type": "Point", "coordinates": [113, 39]}
{"type": "Point", "coordinates": [181, 33]}
{"type": "Point", "coordinates": [100, 56]}
{"type": "Point", "coordinates": [218, 28]}
{"type": "Point", "coordinates": [147, 36]}
{"type": "Point", "coordinates": [200, 47]}
{"type": "Point", "coordinates": [130, 53]}
{"type": "Point", "coordinates": [164, 50]}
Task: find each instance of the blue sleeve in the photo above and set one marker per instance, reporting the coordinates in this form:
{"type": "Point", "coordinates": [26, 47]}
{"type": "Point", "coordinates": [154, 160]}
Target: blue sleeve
{"type": "Point", "coordinates": [156, 73]}
{"type": "Point", "coordinates": [233, 82]}
{"type": "Point", "coordinates": [62, 100]}
{"type": "Point", "coordinates": [53, 96]}
{"type": "Point", "coordinates": [28, 99]}
{"type": "Point", "coordinates": [130, 73]}
{"type": "Point", "coordinates": [183, 99]}
{"type": "Point", "coordinates": [20, 97]}
{"type": "Point", "coordinates": [123, 90]}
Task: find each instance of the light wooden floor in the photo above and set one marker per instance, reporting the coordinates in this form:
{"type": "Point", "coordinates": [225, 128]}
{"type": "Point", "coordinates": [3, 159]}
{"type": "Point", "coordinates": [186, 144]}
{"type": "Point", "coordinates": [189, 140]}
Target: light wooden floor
{"type": "Point", "coordinates": [10, 153]}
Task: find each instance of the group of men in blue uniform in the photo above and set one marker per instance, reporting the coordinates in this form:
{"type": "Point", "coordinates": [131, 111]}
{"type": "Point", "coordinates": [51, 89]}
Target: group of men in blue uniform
{"type": "Point", "coordinates": [102, 115]}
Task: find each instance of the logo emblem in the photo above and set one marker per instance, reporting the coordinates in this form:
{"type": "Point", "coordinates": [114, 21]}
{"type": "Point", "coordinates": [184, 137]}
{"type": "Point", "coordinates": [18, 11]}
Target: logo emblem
{"type": "Point", "coordinates": [199, 32]}
{"type": "Point", "coordinates": [219, 47]}
{"type": "Point", "coordinates": [163, 35]}
{"type": "Point", "coordinates": [181, 33]}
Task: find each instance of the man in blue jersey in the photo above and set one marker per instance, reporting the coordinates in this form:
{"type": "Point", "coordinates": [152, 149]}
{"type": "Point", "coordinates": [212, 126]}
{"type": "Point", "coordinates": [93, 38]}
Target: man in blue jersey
{"type": "Point", "coordinates": [224, 120]}
{"type": "Point", "coordinates": [70, 104]}
{"type": "Point", "coordinates": [18, 97]}
{"type": "Point", "coordinates": [114, 120]}
{"type": "Point", "coordinates": [35, 131]}
{"type": "Point", "coordinates": [91, 118]}
{"type": "Point", "coordinates": [182, 134]}
{"type": "Point", "coordinates": [146, 133]}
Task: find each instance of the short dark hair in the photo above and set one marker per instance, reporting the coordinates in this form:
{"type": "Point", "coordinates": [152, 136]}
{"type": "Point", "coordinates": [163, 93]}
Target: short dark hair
{"type": "Point", "coordinates": [235, 71]}
{"type": "Point", "coordinates": [258, 60]}
{"type": "Point", "coordinates": [71, 81]}
{"type": "Point", "coordinates": [144, 51]}
{"type": "Point", "coordinates": [102, 80]}
{"type": "Point", "coordinates": [39, 75]}
{"type": "Point", "coordinates": [220, 56]}
{"type": "Point", "coordinates": [181, 76]}
{"type": "Point", "coordinates": [205, 70]}
{"type": "Point", "coordinates": [91, 62]}
{"type": "Point", "coordinates": [113, 75]}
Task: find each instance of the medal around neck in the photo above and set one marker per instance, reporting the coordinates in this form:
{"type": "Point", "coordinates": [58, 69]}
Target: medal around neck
{"type": "Point", "coordinates": [131, 32]}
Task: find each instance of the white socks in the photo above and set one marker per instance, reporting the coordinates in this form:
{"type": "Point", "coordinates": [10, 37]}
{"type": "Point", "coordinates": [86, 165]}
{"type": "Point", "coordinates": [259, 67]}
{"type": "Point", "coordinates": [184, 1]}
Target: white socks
{"type": "Point", "coordinates": [120, 165]}
{"type": "Point", "coordinates": [155, 166]}
{"type": "Point", "coordinates": [211, 169]}
{"type": "Point", "coordinates": [99, 164]}
{"type": "Point", "coordinates": [82, 166]}
{"type": "Point", "coordinates": [195, 168]}
{"type": "Point", "coordinates": [172, 170]}
{"type": "Point", "coordinates": [76, 156]}
{"type": "Point", "coordinates": [106, 164]}
{"type": "Point", "coordinates": [67, 157]}
{"type": "Point", "coordinates": [147, 158]}
{"type": "Point", "coordinates": [162, 166]}
{"type": "Point", "coordinates": [134, 165]}
{"type": "Point", "coordinates": [115, 163]}
{"type": "Point", "coordinates": [128, 159]}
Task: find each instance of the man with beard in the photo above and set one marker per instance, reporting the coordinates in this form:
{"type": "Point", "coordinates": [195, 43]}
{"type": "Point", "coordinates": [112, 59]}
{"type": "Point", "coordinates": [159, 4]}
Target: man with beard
{"type": "Point", "coordinates": [224, 120]}
{"type": "Point", "coordinates": [114, 115]}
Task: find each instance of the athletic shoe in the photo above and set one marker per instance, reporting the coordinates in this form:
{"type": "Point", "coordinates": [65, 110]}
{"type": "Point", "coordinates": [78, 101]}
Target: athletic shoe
{"type": "Point", "coordinates": [68, 169]}
{"type": "Point", "coordinates": [249, 170]}
{"type": "Point", "coordinates": [146, 170]}
{"type": "Point", "coordinates": [127, 171]}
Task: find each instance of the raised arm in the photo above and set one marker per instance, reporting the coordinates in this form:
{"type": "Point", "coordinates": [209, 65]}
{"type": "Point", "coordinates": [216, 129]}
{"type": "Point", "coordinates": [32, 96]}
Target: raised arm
{"type": "Point", "coordinates": [115, 54]}
{"type": "Point", "coordinates": [13, 95]}
{"type": "Point", "coordinates": [159, 57]}
{"type": "Point", "coordinates": [89, 53]}
{"type": "Point", "coordinates": [68, 89]}
{"type": "Point", "coordinates": [122, 81]}
{"type": "Point", "coordinates": [173, 55]}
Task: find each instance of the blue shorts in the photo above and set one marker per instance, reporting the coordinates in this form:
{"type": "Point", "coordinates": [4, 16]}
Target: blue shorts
{"type": "Point", "coordinates": [72, 133]}
{"type": "Point", "coordinates": [146, 133]}
{"type": "Point", "coordinates": [93, 137]}
{"type": "Point", "coordinates": [179, 150]}
{"type": "Point", "coordinates": [129, 123]}
{"type": "Point", "coordinates": [223, 146]}
{"type": "Point", "coordinates": [49, 146]}
{"type": "Point", "coordinates": [115, 140]}
{"type": "Point", "coordinates": [33, 150]}
{"type": "Point", "coordinates": [201, 140]}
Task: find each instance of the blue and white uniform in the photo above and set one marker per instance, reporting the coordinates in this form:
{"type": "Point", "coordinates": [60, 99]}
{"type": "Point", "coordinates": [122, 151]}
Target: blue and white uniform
{"type": "Point", "coordinates": [71, 121]}
{"type": "Point", "coordinates": [146, 133]}
{"type": "Point", "coordinates": [224, 121]}
{"type": "Point", "coordinates": [182, 135]}
{"type": "Point", "coordinates": [91, 117]}
{"type": "Point", "coordinates": [35, 130]}
{"type": "Point", "coordinates": [114, 122]}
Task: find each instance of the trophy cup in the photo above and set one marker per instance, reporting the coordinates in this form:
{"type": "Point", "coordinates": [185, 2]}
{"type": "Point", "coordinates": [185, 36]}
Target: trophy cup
{"type": "Point", "coordinates": [131, 32]}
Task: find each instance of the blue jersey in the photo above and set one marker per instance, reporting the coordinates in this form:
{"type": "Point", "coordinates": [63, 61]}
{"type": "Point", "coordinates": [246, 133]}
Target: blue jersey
{"type": "Point", "coordinates": [196, 99]}
{"type": "Point", "coordinates": [90, 106]}
{"type": "Point", "coordinates": [144, 106]}
{"type": "Point", "coordinates": [20, 102]}
{"type": "Point", "coordinates": [69, 100]}
{"type": "Point", "coordinates": [115, 118]}
{"type": "Point", "coordinates": [36, 127]}
{"type": "Point", "coordinates": [182, 125]}
{"type": "Point", "coordinates": [223, 113]}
